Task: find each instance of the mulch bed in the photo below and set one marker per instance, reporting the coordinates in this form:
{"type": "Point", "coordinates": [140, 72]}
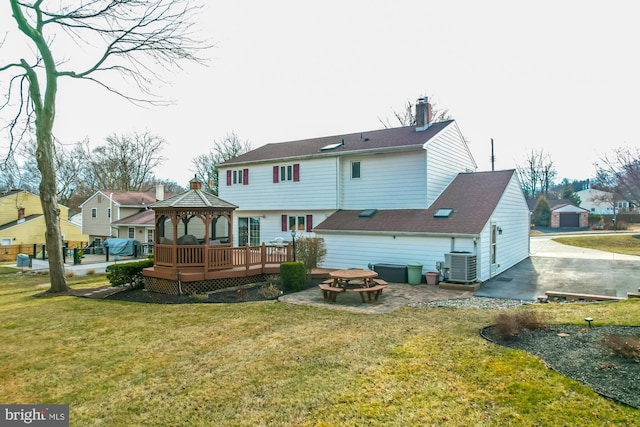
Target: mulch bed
{"type": "Point", "coordinates": [580, 355]}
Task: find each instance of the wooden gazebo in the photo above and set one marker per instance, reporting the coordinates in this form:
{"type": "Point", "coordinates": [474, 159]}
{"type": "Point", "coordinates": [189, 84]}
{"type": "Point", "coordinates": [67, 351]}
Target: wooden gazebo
{"type": "Point", "coordinates": [193, 248]}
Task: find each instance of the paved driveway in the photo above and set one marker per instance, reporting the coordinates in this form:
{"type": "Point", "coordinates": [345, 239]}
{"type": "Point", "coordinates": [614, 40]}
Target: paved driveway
{"type": "Point", "coordinates": [556, 267]}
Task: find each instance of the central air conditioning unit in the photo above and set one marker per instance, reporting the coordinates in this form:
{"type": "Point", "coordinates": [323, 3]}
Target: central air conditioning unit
{"type": "Point", "coordinates": [461, 267]}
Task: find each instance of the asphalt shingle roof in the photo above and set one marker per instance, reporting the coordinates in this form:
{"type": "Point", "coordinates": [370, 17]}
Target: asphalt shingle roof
{"type": "Point", "coordinates": [472, 196]}
{"type": "Point", "coordinates": [371, 140]}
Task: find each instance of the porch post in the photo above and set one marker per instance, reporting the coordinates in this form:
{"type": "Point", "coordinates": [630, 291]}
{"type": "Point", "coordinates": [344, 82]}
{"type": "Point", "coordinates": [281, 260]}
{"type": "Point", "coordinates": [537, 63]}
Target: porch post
{"type": "Point", "coordinates": [247, 256]}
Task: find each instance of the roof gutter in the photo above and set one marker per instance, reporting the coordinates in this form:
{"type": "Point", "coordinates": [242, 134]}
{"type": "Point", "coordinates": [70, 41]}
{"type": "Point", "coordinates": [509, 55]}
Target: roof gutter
{"type": "Point", "coordinates": [397, 233]}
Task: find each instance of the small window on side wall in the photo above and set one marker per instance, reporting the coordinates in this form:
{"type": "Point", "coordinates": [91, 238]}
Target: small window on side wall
{"type": "Point", "coordinates": [355, 170]}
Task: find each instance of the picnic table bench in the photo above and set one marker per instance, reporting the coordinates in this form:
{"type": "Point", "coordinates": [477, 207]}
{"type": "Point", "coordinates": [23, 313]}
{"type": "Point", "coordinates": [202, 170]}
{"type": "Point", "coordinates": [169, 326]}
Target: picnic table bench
{"type": "Point", "coordinates": [329, 292]}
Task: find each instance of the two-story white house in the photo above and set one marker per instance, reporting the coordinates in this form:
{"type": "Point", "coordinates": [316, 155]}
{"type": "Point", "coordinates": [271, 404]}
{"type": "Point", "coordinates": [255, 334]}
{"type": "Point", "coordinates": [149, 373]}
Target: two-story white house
{"type": "Point", "coordinates": [401, 195]}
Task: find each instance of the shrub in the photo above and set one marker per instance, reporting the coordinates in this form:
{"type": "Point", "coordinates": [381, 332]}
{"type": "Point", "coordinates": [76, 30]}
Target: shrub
{"type": "Point", "coordinates": [311, 251]}
{"type": "Point", "coordinates": [91, 272]}
{"type": "Point", "coordinates": [273, 279]}
{"type": "Point", "coordinates": [595, 219]}
{"type": "Point", "coordinates": [531, 320]}
{"type": "Point", "coordinates": [627, 346]}
{"type": "Point", "coordinates": [269, 292]}
{"type": "Point", "coordinates": [70, 273]}
{"type": "Point", "coordinates": [129, 273]}
{"type": "Point", "coordinates": [510, 325]}
{"type": "Point", "coordinates": [506, 326]}
{"type": "Point", "coordinates": [293, 275]}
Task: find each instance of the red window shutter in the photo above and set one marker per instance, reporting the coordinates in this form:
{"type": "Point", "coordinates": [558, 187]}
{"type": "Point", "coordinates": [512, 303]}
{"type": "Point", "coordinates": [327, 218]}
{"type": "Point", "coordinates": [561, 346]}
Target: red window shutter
{"type": "Point", "coordinates": [276, 174]}
{"type": "Point", "coordinates": [229, 177]}
{"type": "Point", "coordinates": [309, 223]}
{"type": "Point", "coordinates": [245, 177]}
{"type": "Point", "coordinates": [296, 172]}
{"type": "Point", "coordinates": [284, 221]}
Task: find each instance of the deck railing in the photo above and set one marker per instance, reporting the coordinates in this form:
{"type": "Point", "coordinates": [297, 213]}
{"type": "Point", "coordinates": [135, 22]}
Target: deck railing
{"type": "Point", "coordinates": [220, 257]}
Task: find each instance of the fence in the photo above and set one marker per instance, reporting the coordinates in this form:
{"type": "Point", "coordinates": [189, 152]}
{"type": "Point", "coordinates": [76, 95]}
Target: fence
{"type": "Point", "coordinates": [10, 252]}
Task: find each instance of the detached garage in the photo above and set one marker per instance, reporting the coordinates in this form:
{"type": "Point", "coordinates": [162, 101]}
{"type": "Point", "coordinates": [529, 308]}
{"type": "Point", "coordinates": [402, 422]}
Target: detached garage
{"type": "Point", "coordinates": [569, 216]}
{"type": "Point", "coordinates": [564, 214]}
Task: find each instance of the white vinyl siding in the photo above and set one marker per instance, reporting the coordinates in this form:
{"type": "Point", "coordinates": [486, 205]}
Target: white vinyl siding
{"type": "Point", "coordinates": [447, 155]}
{"type": "Point", "coordinates": [387, 181]}
{"type": "Point", "coordinates": [359, 251]}
{"type": "Point", "coordinates": [512, 246]}
{"type": "Point", "coordinates": [315, 190]}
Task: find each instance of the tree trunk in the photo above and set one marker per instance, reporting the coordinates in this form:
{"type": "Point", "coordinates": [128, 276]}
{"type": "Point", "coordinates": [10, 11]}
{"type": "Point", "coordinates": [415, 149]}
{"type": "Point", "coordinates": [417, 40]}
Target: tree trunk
{"type": "Point", "coordinates": [46, 164]}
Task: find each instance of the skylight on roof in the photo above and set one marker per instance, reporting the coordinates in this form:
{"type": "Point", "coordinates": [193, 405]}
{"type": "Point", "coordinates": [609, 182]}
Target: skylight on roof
{"type": "Point", "coordinates": [367, 213]}
{"type": "Point", "coordinates": [443, 213]}
{"type": "Point", "coordinates": [332, 146]}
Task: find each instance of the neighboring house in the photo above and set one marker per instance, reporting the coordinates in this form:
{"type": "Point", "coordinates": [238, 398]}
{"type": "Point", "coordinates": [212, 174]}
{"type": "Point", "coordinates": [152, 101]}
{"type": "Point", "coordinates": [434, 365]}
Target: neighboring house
{"type": "Point", "coordinates": [312, 187]}
{"type": "Point", "coordinates": [22, 221]}
{"type": "Point", "coordinates": [602, 202]}
{"type": "Point", "coordinates": [119, 214]}
{"type": "Point", "coordinates": [564, 214]}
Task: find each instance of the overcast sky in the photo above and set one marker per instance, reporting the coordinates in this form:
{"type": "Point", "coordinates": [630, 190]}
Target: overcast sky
{"type": "Point", "coordinates": [559, 76]}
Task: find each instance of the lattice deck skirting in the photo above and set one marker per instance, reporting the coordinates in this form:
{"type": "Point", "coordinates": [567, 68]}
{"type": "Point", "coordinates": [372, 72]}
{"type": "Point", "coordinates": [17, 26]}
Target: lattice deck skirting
{"type": "Point", "coordinates": [172, 287]}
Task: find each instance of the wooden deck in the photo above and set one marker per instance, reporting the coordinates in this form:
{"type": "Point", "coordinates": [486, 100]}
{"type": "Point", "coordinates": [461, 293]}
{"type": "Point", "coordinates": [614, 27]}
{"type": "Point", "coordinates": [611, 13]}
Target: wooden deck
{"type": "Point", "coordinates": [200, 262]}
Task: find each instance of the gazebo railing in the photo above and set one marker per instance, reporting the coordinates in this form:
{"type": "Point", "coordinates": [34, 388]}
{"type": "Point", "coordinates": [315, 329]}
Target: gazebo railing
{"type": "Point", "coordinates": [220, 257]}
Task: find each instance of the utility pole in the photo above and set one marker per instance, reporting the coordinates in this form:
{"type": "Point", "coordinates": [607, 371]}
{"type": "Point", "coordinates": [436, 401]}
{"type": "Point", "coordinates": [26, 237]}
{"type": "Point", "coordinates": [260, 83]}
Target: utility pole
{"type": "Point", "coordinates": [493, 158]}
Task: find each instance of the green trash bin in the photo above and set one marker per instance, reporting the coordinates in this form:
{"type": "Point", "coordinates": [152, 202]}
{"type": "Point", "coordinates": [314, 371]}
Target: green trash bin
{"type": "Point", "coordinates": [414, 273]}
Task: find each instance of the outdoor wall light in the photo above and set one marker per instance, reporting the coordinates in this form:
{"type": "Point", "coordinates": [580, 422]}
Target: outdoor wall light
{"type": "Point", "coordinates": [500, 231]}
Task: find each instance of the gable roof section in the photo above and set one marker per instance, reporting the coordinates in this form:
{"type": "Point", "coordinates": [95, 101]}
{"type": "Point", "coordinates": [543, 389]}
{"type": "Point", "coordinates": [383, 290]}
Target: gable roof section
{"type": "Point", "coordinates": [472, 196]}
{"type": "Point", "coordinates": [194, 199]}
{"type": "Point", "coordinates": [377, 140]}
{"type": "Point", "coordinates": [145, 217]}
{"type": "Point", "coordinates": [554, 204]}
{"type": "Point", "coordinates": [127, 198]}
{"type": "Point", "coordinates": [16, 223]}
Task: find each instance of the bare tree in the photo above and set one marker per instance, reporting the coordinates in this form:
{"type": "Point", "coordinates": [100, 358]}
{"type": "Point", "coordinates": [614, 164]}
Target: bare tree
{"type": "Point", "coordinates": [619, 173]}
{"type": "Point", "coordinates": [407, 115]}
{"type": "Point", "coordinates": [206, 165]}
{"type": "Point", "coordinates": [134, 40]}
{"type": "Point", "coordinates": [537, 175]}
{"type": "Point", "coordinates": [125, 162]}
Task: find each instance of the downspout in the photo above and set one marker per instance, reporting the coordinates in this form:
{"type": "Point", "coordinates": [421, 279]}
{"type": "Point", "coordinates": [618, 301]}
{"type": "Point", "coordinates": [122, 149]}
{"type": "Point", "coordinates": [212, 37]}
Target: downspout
{"type": "Point", "coordinates": [110, 214]}
{"type": "Point", "coordinates": [338, 180]}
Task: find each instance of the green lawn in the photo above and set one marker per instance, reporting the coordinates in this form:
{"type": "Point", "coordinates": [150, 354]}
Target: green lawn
{"type": "Point", "coordinates": [128, 364]}
{"type": "Point", "coordinates": [618, 243]}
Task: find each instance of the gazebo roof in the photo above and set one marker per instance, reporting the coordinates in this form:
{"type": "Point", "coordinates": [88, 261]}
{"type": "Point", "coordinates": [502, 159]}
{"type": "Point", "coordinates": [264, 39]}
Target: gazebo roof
{"type": "Point", "coordinates": [194, 198]}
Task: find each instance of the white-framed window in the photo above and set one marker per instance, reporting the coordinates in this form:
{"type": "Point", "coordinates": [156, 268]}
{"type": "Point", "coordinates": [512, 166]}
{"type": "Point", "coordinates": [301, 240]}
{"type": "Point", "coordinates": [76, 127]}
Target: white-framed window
{"type": "Point", "coordinates": [6, 241]}
{"type": "Point", "coordinates": [296, 223]}
{"type": "Point", "coordinates": [286, 173]}
{"type": "Point", "coordinates": [237, 177]}
{"type": "Point", "coordinates": [94, 213]}
{"type": "Point", "coordinates": [132, 232]}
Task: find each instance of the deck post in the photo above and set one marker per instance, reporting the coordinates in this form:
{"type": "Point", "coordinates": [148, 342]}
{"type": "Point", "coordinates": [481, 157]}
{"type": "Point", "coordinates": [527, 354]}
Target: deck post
{"type": "Point", "coordinates": [263, 254]}
{"type": "Point", "coordinates": [247, 256]}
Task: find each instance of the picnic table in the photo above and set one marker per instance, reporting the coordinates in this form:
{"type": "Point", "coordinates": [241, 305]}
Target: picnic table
{"type": "Point", "coordinates": [357, 280]}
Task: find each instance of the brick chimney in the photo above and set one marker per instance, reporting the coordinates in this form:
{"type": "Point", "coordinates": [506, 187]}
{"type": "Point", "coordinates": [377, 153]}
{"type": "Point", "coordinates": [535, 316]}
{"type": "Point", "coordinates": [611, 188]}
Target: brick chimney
{"type": "Point", "coordinates": [423, 113]}
{"type": "Point", "coordinates": [20, 213]}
